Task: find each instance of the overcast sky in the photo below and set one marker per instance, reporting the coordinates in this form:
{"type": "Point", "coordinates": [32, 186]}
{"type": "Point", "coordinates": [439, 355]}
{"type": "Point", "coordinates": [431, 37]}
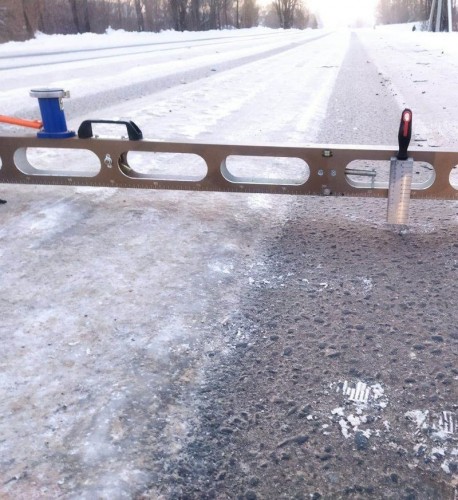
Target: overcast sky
{"type": "Point", "coordinates": [335, 13]}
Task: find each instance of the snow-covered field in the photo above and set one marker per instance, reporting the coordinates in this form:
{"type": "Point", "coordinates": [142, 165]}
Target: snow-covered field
{"type": "Point", "coordinates": [117, 305]}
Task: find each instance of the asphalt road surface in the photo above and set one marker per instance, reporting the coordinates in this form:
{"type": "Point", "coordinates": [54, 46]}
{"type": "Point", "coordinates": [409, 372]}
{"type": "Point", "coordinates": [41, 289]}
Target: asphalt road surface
{"type": "Point", "coordinates": [187, 345]}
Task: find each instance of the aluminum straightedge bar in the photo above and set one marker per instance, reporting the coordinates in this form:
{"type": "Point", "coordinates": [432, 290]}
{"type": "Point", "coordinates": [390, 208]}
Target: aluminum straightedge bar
{"type": "Point", "coordinates": [331, 171]}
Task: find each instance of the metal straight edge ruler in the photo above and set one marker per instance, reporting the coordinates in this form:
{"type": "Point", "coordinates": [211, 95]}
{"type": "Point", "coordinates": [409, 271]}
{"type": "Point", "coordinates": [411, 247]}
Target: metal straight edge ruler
{"type": "Point", "coordinates": [331, 169]}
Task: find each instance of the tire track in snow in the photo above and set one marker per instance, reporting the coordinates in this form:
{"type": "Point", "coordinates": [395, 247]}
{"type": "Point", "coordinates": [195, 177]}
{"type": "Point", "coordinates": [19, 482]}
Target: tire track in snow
{"type": "Point", "coordinates": [368, 115]}
{"type": "Point", "coordinates": [152, 46]}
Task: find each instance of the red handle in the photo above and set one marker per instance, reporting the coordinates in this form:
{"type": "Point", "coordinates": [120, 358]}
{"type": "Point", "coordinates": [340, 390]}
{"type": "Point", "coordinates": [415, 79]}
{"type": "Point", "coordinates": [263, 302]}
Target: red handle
{"type": "Point", "coordinates": [406, 120]}
{"type": "Point", "coordinates": [405, 134]}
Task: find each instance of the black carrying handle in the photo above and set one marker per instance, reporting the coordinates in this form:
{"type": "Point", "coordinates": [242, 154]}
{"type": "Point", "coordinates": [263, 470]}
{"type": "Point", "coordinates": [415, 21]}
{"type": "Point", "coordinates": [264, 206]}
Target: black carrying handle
{"type": "Point", "coordinates": [405, 134]}
{"type": "Point", "coordinates": [133, 132]}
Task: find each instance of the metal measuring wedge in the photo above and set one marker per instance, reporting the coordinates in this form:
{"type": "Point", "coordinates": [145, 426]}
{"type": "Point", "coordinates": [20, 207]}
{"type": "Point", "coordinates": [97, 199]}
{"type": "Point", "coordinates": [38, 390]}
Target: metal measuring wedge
{"type": "Point", "coordinates": [401, 171]}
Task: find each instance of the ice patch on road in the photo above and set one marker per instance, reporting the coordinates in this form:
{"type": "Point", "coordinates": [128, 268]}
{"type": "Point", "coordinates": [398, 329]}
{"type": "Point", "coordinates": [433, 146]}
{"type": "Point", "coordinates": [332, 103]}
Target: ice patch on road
{"type": "Point", "coordinates": [355, 423]}
{"type": "Point", "coordinates": [344, 428]}
{"type": "Point", "coordinates": [44, 221]}
{"type": "Point", "coordinates": [367, 284]}
{"type": "Point", "coordinates": [220, 267]}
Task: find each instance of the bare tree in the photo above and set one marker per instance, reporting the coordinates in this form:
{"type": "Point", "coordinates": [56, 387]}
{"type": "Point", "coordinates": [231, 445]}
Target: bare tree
{"type": "Point", "coordinates": [237, 14]}
{"type": "Point", "coordinates": [400, 11]}
{"type": "Point", "coordinates": [12, 21]}
{"type": "Point", "coordinates": [285, 11]}
{"type": "Point", "coordinates": [179, 9]}
{"type": "Point", "coordinates": [301, 17]}
{"type": "Point", "coordinates": [139, 5]}
{"type": "Point", "coordinates": [250, 14]}
{"type": "Point", "coordinates": [29, 24]}
{"type": "Point", "coordinates": [21, 19]}
{"type": "Point", "coordinates": [80, 14]}
{"type": "Point", "coordinates": [157, 15]}
{"type": "Point", "coordinates": [213, 15]}
{"type": "Point", "coordinates": [195, 15]}
{"type": "Point", "coordinates": [101, 14]}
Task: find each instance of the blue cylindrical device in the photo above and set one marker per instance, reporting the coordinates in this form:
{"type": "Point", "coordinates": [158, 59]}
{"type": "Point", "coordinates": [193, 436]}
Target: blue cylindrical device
{"type": "Point", "coordinates": [52, 113]}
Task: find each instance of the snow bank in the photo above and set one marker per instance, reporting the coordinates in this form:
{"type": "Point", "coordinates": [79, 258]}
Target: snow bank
{"type": "Point", "coordinates": [113, 38]}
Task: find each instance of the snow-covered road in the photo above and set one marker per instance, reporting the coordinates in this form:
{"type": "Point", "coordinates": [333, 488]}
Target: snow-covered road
{"type": "Point", "coordinates": [134, 69]}
{"type": "Point", "coordinates": [199, 345]}
{"type": "Point", "coordinates": [216, 74]}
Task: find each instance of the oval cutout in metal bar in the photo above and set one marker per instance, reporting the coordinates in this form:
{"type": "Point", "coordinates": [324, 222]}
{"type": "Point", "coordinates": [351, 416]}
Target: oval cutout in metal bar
{"type": "Point", "coordinates": [65, 162]}
{"type": "Point", "coordinates": [454, 177]}
{"type": "Point", "coordinates": [423, 175]}
{"type": "Point", "coordinates": [375, 174]}
{"type": "Point", "coordinates": [187, 167]}
{"type": "Point", "coordinates": [275, 170]}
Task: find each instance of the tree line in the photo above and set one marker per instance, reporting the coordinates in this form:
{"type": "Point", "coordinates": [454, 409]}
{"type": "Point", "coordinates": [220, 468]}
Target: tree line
{"type": "Point", "coordinates": [403, 11]}
{"type": "Point", "coordinates": [21, 19]}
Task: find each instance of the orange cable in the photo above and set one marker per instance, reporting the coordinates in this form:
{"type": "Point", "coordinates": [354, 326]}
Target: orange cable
{"type": "Point", "coordinates": [21, 122]}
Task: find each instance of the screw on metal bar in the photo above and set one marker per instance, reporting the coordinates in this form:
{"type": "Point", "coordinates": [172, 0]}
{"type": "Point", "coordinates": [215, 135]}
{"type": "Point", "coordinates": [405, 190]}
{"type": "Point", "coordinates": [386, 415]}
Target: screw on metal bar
{"type": "Point", "coordinates": [108, 161]}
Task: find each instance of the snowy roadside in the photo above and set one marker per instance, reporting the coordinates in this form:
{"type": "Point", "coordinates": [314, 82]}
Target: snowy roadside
{"type": "Point", "coordinates": [43, 44]}
{"type": "Point", "coordinates": [425, 79]}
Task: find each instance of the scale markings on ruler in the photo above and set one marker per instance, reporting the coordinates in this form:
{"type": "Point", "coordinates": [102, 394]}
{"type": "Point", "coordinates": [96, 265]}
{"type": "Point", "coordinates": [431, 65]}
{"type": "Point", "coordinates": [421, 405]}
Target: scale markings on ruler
{"type": "Point", "coordinates": [399, 190]}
